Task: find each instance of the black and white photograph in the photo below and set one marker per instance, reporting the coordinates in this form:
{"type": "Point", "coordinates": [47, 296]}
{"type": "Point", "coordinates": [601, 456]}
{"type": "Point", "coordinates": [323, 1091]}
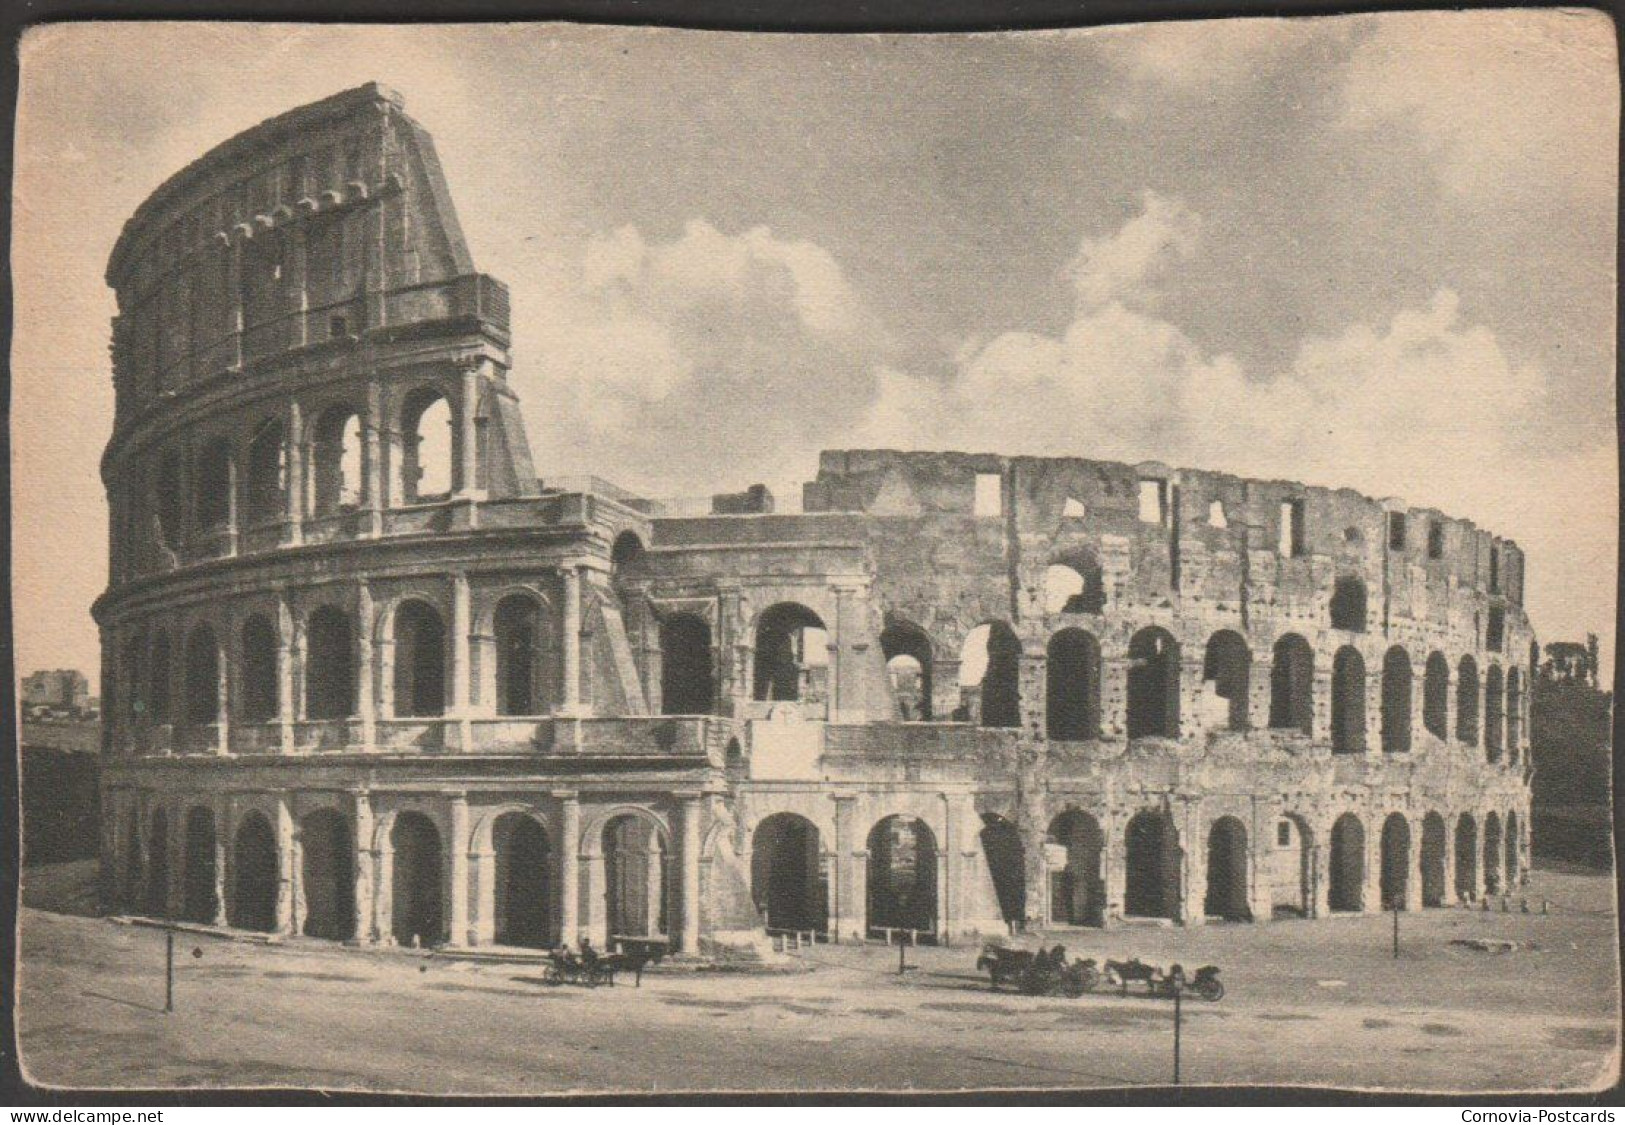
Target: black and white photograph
{"type": "Point", "coordinates": [561, 560]}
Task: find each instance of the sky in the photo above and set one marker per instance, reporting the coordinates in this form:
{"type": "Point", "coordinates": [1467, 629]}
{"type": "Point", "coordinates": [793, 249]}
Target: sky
{"type": "Point", "coordinates": [1367, 251]}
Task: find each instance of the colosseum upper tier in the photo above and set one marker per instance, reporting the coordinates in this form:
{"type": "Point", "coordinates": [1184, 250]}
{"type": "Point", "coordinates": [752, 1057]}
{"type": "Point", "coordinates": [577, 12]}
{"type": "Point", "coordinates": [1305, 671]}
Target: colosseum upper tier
{"type": "Point", "coordinates": [368, 678]}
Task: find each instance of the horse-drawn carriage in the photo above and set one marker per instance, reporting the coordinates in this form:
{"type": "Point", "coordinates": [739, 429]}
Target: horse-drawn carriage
{"type": "Point", "coordinates": [1039, 972]}
{"type": "Point", "coordinates": [592, 968]}
{"type": "Point", "coordinates": [1162, 982]}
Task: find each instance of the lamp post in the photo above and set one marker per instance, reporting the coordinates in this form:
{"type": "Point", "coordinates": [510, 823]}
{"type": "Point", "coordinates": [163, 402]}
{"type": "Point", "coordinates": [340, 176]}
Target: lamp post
{"type": "Point", "coordinates": [1176, 981]}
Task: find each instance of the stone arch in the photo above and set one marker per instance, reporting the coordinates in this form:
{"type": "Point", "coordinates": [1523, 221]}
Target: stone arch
{"type": "Point", "coordinates": [902, 875]}
{"type": "Point", "coordinates": [1466, 856]}
{"type": "Point", "coordinates": [687, 666]}
{"type": "Point", "coordinates": [1436, 696]}
{"type": "Point", "coordinates": [330, 664]}
{"type": "Point", "coordinates": [1292, 867]}
{"type": "Point", "coordinates": [788, 880]}
{"type": "Point", "coordinates": [257, 701]}
{"type": "Point", "coordinates": [1396, 701]}
{"type": "Point", "coordinates": [170, 501]}
{"type": "Point", "coordinates": [417, 893]}
{"type": "Point", "coordinates": [625, 552]}
{"type": "Point", "coordinates": [1078, 890]}
{"type": "Point", "coordinates": [213, 480]}
{"type": "Point", "coordinates": [1153, 684]}
{"type": "Point", "coordinates": [420, 660]}
{"type": "Point", "coordinates": [1348, 701]}
{"type": "Point", "coordinates": [1072, 691]}
{"type": "Point", "coordinates": [1228, 868]}
{"type": "Point", "coordinates": [1228, 666]}
{"type": "Point", "coordinates": [1514, 865]}
{"type": "Point", "coordinates": [1074, 583]}
{"type": "Point", "coordinates": [1492, 853]}
{"type": "Point", "coordinates": [256, 868]}
{"type": "Point", "coordinates": [427, 443]}
{"type": "Point", "coordinates": [1153, 883]}
{"type": "Point", "coordinates": [160, 706]}
{"type": "Point", "coordinates": [994, 648]}
{"type": "Point", "coordinates": [636, 854]}
{"type": "Point", "coordinates": [1467, 701]}
{"type": "Point", "coordinates": [1346, 890]}
{"type": "Point", "coordinates": [1394, 884]}
{"type": "Point", "coordinates": [202, 676]}
{"type": "Point", "coordinates": [336, 453]}
{"type": "Point", "coordinates": [522, 884]}
{"type": "Point", "coordinates": [1292, 685]}
{"type": "Point", "coordinates": [1435, 854]}
{"type": "Point", "coordinates": [1006, 865]}
{"type": "Point", "coordinates": [327, 874]}
{"type": "Point", "coordinates": [1494, 700]}
{"type": "Point", "coordinates": [199, 895]}
{"type": "Point", "coordinates": [517, 635]}
{"type": "Point", "coordinates": [909, 656]}
{"type": "Point", "coordinates": [267, 474]}
{"type": "Point", "coordinates": [157, 904]}
{"type": "Point", "coordinates": [792, 654]}
{"type": "Point", "coordinates": [1348, 604]}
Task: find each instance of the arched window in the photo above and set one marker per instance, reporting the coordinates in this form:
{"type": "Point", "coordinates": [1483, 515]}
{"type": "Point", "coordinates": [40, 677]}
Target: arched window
{"type": "Point", "coordinates": [336, 452]}
{"type": "Point", "coordinates": [420, 661]}
{"type": "Point", "coordinates": [330, 666]}
{"type": "Point", "coordinates": [1467, 701]}
{"type": "Point", "coordinates": [626, 551]}
{"type": "Point", "coordinates": [1436, 696]}
{"type": "Point", "coordinates": [1494, 702]}
{"type": "Point", "coordinates": [267, 473]}
{"type": "Point", "coordinates": [1074, 584]}
{"type": "Point", "coordinates": [687, 670]}
{"type": "Point", "coordinates": [202, 677]}
{"type": "Point", "coordinates": [1396, 701]}
{"type": "Point", "coordinates": [212, 484]}
{"type": "Point", "coordinates": [989, 674]}
{"type": "Point", "coordinates": [1228, 666]}
{"type": "Point", "coordinates": [1348, 701]}
{"type": "Point", "coordinates": [1348, 604]}
{"type": "Point", "coordinates": [517, 629]}
{"type": "Point", "coordinates": [1072, 693]}
{"type": "Point", "coordinates": [426, 448]}
{"type": "Point", "coordinates": [1292, 680]}
{"type": "Point", "coordinates": [1346, 892]}
{"type": "Point", "coordinates": [1153, 684]}
{"type": "Point", "coordinates": [908, 668]}
{"type": "Point", "coordinates": [257, 703]}
{"type": "Point", "coordinates": [792, 654]}
{"type": "Point", "coordinates": [134, 672]}
{"type": "Point", "coordinates": [158, 679]}
{"type": "Point", "coordinates": [171, 500]}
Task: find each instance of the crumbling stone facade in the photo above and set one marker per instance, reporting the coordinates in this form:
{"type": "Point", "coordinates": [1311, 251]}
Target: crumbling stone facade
{"type": "Point", "coordinates": [367, 678]}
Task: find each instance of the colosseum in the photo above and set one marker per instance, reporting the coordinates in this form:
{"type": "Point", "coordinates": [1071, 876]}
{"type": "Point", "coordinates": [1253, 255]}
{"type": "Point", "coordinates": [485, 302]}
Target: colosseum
{"type": "Point", "coordinates": [369, 679]}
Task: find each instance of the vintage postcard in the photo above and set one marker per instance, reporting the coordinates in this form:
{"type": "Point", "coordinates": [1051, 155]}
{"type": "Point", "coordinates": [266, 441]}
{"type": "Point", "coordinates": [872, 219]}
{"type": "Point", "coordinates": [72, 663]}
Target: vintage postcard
{"type": "Point", "coordinates": [559, 559]}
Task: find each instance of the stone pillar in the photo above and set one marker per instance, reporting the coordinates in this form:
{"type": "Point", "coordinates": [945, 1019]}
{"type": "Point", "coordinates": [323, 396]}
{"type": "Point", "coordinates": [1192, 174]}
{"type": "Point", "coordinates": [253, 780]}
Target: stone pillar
{"type": "Point", "coordinates": [849, 873]}
{"type": "Point", "coordinates": [465, 469]}
{"type": "Point", "coordinates": [1114, 696]}
{"type": "Point", "coordinates": [383, 889]}
{"type": "Point", "coordinates": [569, 868]}
{"type": "Point", "coordinates": [1192, 823]}
{"type": "Point", "coordinates": [689, 856]}
{"type": "Point", "coordinates": [482, 867]}
{"type": "Point", "coordinates": [460, 672]}
{"type": "Point", "coordinates": [226, 674]}
{"type": "Point", "coordinates": [372, 468]}
{"type": "Point", "coordinates": [366, 864]}
{"type": "Point", "coordinates": [654, 884]}
{"type": "Point", "coordinates": [572, 705]}
{"type": "Point", "coordinates": [293, 463]}
{"type": "Point", "coordinates": [286, 705]}
{"type": "Point", "coordinates": [365, 704]}
{"type": "Point", "coordinates": [845, 687]}
{"type": "Point", "coordinates": [944, 689]}
{"type": "Point", "coordinates": [1413, 867]}
{"type": "Point", "coordinates": [594, 916]}
{"type": "Point", "coordinates": [1320, 877]}
{"type": "Point", "coordinates": [458, 906]}
{"type": "Point", "coordinates": [1260, 848]}
{"type": "Point", "coordinates": [287, 856]}
{"type": "Point", "coordinates": [222, 854]}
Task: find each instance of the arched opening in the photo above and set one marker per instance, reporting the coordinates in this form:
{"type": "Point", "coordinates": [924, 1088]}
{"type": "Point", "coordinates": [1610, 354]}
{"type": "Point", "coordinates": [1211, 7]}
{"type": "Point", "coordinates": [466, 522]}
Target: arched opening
{"type": "Point", "coordinates": [1348, 701]}
{"type": "Point", "coordinates": [788, 883]}
{"type": "Point", "coordinates": [902, 876]}
{"type": "Point", "coordinates": [687, 670]}
{"type": "Point", "coordinates": [1077, 890]}
{"type": "Point", "coordinates": [199, 900]}
{"type": "Point", "coordinates": [1292, 868]}
{"type": "Point", "coordinates": [516, 628]}
{"type": "Point", "coordinates": [1466, 857]}
{"type": "Point", "coordinates": [1396, 861]}
{"type": "Point", "coordinates": [135, 865]}
{"type": "Point", "coordinates": [420, 661]}
{"type": "Point", "coordinates": [212, 484]}
{"type": "Point", "coordinates": [1514, 868]}
{"type": "Point", "coordinates": [625, 551]}
{"type": "Point", "coordinates": [158, 679]}
{"type": "Point", "coordinates": [1074, 584]}
{"type": "Point", "coordinates": [1347, 887]}
{"type": "Point", "coordinates": [1494, 699]}
{"type": "Point", "coordinates": [258, 700]}
{"type": "Point", "coordinates": [635, 878]}
{"type": "Point", "coordinates": [908, 655]}
{"type": "Point", "coordinates": [1467, 701]}
{"type": "Point", "coordinates": [1006, 865]}
{"type": "Point", "coordinates": [1292, 685]}
{"type": "Point", "coordinates": [134, 672]}
{"type": "Point", "coordinates": [1436, 696]}
{"type": "Point", "coordinates": [267, 474]}
{"type": "Point", "coordinates": [327, 874]}
{"type": "Point", "coordinates": [337, 454]}
{"type": "Point", "coordinates": [1228, 666]}
{"type": "Point", "coordinates": [158, 865]}
{"type": "Point", "coordinates": [1514, 713]}
{"type": "Point", "coordinates": [426, 448]}
{"type": "Point", "coordinates": [1492, 854]}
{"type": "Point", "coordinates": [1227, 871]}
{"type": "Point", "coordinates": [989, 675]}
{"type": "Point", "coordinates": [170, 501]}
{"type": "Point", "coordinates": [1348, 608]}
{"type": "Point", "coordinates": [202, 677]}
{"type": "Point", "coordinates": [416, 895]}
{"type": "Point", "coordinates": [255, 875]}
{"type": "Point", "coordinates": [1072, 691]}
{"type": "Point", "coordinates": [1153, 685]}
{"type": "Point", "coordinates": [1152, 861]}
{"type": "Point", "coordinates": [330, 665]}
{"type": "Point", "coordinates": [522, 905]}
{"type": "Point", "coordinates": [1396, 701]}
{"type": "Point", "coordinates": [792, 655]}
{"type": "Point", "coordinates": [1434, 853]}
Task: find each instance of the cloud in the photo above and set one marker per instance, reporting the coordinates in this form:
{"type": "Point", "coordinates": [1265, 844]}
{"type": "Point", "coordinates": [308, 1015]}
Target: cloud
{"type": "Point", "coordinates": [1119, 267]}
{"type": "Point", "coordinates": [1195, 57]}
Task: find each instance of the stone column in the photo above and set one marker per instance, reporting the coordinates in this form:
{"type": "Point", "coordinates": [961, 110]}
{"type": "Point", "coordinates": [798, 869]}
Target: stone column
{"type": "Point", "coordinates": [460, 672]}
{"type": "Point", "coordinates": [465, 468]}
{"type": "Point", "coordinates": [293, 467]}
{"type": "Point", "coordinates": [569, 868]}
{"type": "Point", "coordinates": [845, 694]}
{"type": "Point", "coordinates": [572, 705]}
{"type": "Point", "coordinates": [372, 472]}
{"type": "Point", "coordinates": [366, 863]}
{"type": "Point", "coordinates": [458, 912]}
{"type": "Point", "coordinates": [482, 865]}
{"type": "Point", "coordinates": [654, 883]}
{"type": "Point", "coordinates": [383, 889]}
{"type": "Point", "coordinates": [849, 922]}
{"type": "Point", "coordinates": [594, 918]}
{"type": "Point", "coordinates": [689, 854]}
{"type": "Point", "coordinates": [365, 704]}
{"type": "Point", "coordinates": [287, 854]}
{"type": "Point", "coordinates": [1413, 865]}
{"type": "Point", "coordinates": [1320, 877]}
{"type": "Point", "coordinates": [223, 688]}
{"type": "Point", "coordinates": [222, 854]}
{"type": "Point", "coordinates": [286, 705]}
{"type": "Point", "coordinates": [1114, 695]}
{"type": "Point", "coordinates": [1192, 821]}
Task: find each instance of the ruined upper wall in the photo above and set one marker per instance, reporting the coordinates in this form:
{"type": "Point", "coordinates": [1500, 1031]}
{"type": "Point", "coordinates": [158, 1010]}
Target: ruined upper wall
{"type": "Point", "coordinates": [316, 226]}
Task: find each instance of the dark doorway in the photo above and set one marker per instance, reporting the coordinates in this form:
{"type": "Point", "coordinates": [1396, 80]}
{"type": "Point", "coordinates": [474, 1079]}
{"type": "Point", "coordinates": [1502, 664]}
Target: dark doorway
{"type": "Point", "coordinates": [199, 899]}
{"type": "Point", "coordinates": [1348, 604]}
{"type": "Point", "coordinates": [1072, 691]}
{"type": "Point", "coordinates": [1492, 854]}
{"type": "Point", "coordinates": [158, 865]}
{"type": "Point", "coordinates": [516, 629]}
{"type": "Point", "coordinates": [788, 639]}
{"type": "Point", "coordinates": [787, 879]}
{"type": "Point", "coordinates": [330, 665]}
{"type": "Point", "coordinates": [1494, 701]}
{"type": "Point", "coordinates": [1347, 889]}
{"type": "Point", "coordinates": [1077, 891]}
{"type": "Point", "coordinates": [1227, 871]}
{"type": "Point", "coordinates": [1153, 685]}
{"type": "Point", "coordinates": [1435, 849]}
{"type": "Point", "coordinates": [1466, 856]}
{"type": "Point", "coordinates": [1006, 865]}
{"type": "Point", "coordinates": [903, 875]}
{"type": "Point", "coordinates": [687, 678]}
{"type": "Point", "coordinates": [1396, 862]}
{"type": "Point", "coordinates": [1513, 867]}
{"type": "Point", "coordinates": [1292, 682]}
{"type": "Point", "coordinates": [1153, 883]}
{"type": "Point", "coordinates": [1348, 701]}
{"type": "Point", "coordinates": [418, 914]}
{"type": "Point", "coordinates": [420, 661]}
{"type": "Point", "coordinates": [523, 888]}
{"type": "Point", "coordinates": [635, 871]}
{"type": "Point", "coordinates": [328, 875]}
{"type": "Point", "coordinates": [258, 699]}
{"type": "Point", "coordinates": [1467, 701]}
{"type": "Point", "coordinates": [255, 875]}
{"type": "Point", "coordinates": [1396, 701]}
{"type": "Point", "coordinates": [1228, 666]}
{"type": "Point", "coordinates": [1436, 696]}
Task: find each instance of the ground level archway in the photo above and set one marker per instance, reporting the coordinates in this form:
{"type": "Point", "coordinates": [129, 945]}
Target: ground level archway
{"type": "Point", "coordinates": [1152, 881]}
{"type": "Point", "coordinates": [788, 882]}
{"type": "Point", "coordinates": [1435, 850]}
{"type": "Point", "coordinates": [522, 896]}
{"type": "Point", "coordinates": [199, 897]}
{"type": "Point", "coordinates": [1077, 890]}
{"type": "Point", "coordinates": [327, 874]}
{"type": "Point", "coordinates": [902, 876]}
{"type": "Point", "coordinates": [1396, 862]}
{"type": "Point", "coordinates": [1006, 865]}
{"type": "Point", "coordinates": [1227, 864]}
{"type": "Point", "coordinates": [635, 878]}
{"type": "Point", "coordinates": [255, 875]}
{"type": "Point", "coordinates": [417, 916]}
{"type": "Point", "coordinates": [1346, 890]}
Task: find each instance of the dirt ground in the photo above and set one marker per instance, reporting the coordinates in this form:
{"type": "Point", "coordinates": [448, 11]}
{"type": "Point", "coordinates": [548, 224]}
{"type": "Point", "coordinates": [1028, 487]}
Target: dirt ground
{"type": "Point", "coordinates": [1310, 1003]}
